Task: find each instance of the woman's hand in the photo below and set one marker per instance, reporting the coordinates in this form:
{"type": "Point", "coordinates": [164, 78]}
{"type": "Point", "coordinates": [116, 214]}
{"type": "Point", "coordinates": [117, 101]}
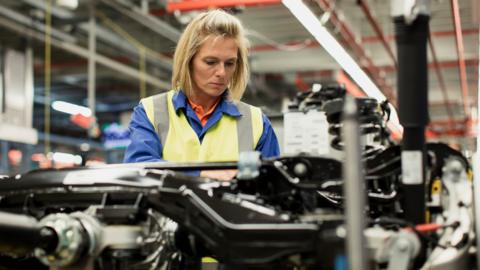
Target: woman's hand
{"type": "Point", "coordinates": [222, 175]}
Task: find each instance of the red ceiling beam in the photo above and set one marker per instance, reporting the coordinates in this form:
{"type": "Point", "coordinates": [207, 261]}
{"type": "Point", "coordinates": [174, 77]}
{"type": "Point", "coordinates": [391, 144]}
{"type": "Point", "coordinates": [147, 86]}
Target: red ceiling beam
{"type": "Point", "coordinates": [461, 58]}
{"type": "Point", "coordinates": [376, 27]}
{"type": "Point", "coordinates": [443, 88]}
{"type": "Point", "coordinates": [442, 64]}
{"type": "Point", "coordinates": [189, 5]}
{"type": "Point", "coordinates": [465, 32]}
{"type": "Point", "coordinates": [366, 61]}
{"type": "Point", "coordinates": [370, 39]}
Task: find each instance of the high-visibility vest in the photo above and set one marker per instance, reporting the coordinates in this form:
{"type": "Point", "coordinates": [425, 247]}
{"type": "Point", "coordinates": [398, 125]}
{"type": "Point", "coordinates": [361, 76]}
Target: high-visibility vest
{"type": "Point", "coordinates": [222, 142]}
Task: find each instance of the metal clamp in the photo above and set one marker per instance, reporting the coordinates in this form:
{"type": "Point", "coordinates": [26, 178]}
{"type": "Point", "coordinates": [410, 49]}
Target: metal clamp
{"type": "Point", "coordinates": [410, 9]}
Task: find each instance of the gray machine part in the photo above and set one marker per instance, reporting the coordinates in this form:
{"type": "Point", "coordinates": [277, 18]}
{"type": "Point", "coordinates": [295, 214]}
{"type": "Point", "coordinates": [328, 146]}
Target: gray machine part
{"type": "Point", "coordinates": [79, 231]}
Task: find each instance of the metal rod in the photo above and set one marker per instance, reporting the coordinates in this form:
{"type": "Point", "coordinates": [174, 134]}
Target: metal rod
{"type": "Point", "coordinates": [376, 27]}
{"type": "Point", "coordinates": [351, 40]}
{"type": "Point", "coordinates": [354, 188]}
{"type": "Point", "coordinates": [440, 78]}
{"type": "Point", "coordinates": [461, 58]}
{"type": "Point", "coordinates": [21, 234]}
{"type": "Point", "coordinates": [476, 172]}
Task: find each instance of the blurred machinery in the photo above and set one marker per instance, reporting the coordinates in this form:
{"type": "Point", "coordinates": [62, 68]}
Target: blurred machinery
{"type": "Point", "coordinates": [285, 213]}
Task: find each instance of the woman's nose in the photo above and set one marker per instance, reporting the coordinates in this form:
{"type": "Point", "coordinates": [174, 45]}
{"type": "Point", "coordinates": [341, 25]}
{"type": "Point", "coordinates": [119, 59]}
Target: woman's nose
{"type": "Point", "coordinates": [220, 70]}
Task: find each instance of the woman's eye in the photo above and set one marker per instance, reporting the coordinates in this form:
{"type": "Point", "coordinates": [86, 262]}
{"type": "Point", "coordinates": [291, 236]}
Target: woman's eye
{"type": "Point", "coordinates": [210, 63]}
{"type": "Point", "coordinates": [230, 64]}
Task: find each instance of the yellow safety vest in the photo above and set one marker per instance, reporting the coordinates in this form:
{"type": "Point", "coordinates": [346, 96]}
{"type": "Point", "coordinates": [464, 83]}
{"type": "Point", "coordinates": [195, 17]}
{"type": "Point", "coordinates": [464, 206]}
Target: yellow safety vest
{"type": "Point", "coordinates": [222, 142]}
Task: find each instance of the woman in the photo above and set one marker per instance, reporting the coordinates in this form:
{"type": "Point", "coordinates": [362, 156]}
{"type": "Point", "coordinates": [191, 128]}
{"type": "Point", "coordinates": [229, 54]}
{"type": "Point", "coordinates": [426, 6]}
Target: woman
{"type": "Point", "coordinates": [202, 119]}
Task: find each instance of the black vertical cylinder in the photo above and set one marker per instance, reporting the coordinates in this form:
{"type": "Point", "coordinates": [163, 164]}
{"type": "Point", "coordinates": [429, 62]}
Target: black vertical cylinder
{"type": "Point", "coordinates": [411, 39]}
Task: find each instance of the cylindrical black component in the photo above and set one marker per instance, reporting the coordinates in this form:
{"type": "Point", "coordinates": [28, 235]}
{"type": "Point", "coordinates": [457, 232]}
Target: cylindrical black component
{"type": "Point", "coordinates": [412, 87]}
{"type": "Point", "coordinates": [412, 76]}
{"type": "Point", "coordinates": [21, 234]}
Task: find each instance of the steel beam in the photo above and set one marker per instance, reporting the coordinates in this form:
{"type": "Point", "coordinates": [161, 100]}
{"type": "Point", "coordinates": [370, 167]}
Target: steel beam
{"type": "Point", "coordinates": [135, 13]}
{"type": "Point", "coordinates": [461, 58]}
{"type": "Point", "coordinates": [82, 52]}
{"type": "Point", "coordinates": [187, 5]}
{"type": "Point", "coordinates": [350, 39]}
{"type": "Point", "coordinates": [376, 27]}
{"type": "Point", "coordinates": [443, 88]}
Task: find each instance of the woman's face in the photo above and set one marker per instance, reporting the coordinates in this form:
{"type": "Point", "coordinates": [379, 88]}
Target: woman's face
{"type": "Point", "coordinates": [213, 67]}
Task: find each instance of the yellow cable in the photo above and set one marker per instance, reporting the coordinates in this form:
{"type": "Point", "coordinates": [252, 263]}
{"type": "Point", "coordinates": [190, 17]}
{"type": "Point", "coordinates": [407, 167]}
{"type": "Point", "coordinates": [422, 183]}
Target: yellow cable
{"type": "Point", "coordinates": [116, 28]}
{"type": "Point", "coordinates": [47, 73]}
{"type": "Point", "coordinates": [142, 51]}
{"type": "Point", "coordinates": [143, 85]}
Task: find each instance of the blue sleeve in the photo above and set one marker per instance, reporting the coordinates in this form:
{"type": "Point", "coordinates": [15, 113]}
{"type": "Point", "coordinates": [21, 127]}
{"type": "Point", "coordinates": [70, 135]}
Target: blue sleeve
{"type": "Point", "coordinates": [268, 144]}
{"type": "Point", "coordinates": [145, 145]}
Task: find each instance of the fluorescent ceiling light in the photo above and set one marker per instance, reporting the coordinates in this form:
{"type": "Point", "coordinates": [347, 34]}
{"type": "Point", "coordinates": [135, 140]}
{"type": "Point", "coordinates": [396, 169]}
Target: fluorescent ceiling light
{"type": "Point", "coordinates": [306, 17]}
{"type": "Point", "coordinates": [70, 4]}
{"type": "Point", "coordinates": [70, 108]}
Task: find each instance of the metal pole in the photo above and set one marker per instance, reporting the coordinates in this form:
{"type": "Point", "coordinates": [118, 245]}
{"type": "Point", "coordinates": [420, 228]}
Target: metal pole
{"type": "Point", "coordinates": [476, 168]}
{"type": "Point", "coordinates": [411, 34]}
{"type": "Point", "coordinates": [354, 188]}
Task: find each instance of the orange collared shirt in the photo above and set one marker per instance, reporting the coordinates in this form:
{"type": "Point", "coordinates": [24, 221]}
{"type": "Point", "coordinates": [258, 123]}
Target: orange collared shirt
{"type": "Point", "coordinates": [201, 114]}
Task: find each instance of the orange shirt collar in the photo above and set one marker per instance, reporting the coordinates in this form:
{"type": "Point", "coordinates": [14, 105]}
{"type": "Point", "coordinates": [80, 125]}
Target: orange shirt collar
{"type": "Point", "coordinates": [201, 114]}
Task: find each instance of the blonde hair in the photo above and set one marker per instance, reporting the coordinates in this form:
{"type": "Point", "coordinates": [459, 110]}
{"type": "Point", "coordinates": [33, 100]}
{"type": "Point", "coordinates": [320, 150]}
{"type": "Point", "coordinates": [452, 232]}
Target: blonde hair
{"type": "Point", "coordinates": [213, 23]}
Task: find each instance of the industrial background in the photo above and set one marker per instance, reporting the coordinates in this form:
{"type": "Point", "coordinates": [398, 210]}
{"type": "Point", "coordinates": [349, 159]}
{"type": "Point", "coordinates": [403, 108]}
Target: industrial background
{"type": "Point", "coordinates": [104, 55]}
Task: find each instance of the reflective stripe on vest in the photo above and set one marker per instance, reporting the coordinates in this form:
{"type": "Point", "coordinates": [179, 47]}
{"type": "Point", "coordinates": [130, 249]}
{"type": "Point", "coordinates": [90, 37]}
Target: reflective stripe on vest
{"type": "Point", "coordinates": [181, 143]}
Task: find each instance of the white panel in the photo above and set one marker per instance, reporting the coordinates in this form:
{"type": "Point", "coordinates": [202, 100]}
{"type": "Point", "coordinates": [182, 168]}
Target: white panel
{"type": "Point", "coordinates": [16, 118]}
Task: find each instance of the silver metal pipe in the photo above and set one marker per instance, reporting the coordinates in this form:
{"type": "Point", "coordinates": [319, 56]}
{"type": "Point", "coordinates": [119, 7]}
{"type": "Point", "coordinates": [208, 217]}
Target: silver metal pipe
{"type": "Point", "coordinates": [354, 188]}
{"type": "Point", "coordinates": [476, 180]}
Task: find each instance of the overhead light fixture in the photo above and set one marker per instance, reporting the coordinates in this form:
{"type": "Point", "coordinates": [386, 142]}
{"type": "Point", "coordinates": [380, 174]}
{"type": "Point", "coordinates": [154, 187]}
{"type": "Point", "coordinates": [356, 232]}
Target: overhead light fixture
{"type": "Point", "coordinates": [71, 108]}
{"type": "Point", "coordinates": [70, 4]}
{"type": "Point", "coordinates": [306, 17]}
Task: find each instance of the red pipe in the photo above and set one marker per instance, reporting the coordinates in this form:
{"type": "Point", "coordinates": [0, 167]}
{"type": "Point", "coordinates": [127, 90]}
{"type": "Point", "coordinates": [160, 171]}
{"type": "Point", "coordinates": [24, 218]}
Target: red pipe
{"type": "Point", "coordinates": [378, 31]}
{"type": "Point", "coordinates": [350, 39]}
{"type": "Point", "coordinates": [461, 58]}
{"type": "Point", "coordinates": [440, 79]}
{"type": "Point", "coordinates": [465, 32]}
{"type": "Point", "coordinates": [188, 5]}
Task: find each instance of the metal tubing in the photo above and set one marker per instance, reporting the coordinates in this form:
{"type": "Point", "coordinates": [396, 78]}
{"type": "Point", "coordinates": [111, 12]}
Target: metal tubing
{"type": "Point", "coordinates": [352, 41]}
{"type": "Point", "coordinates": [476, 179]}
{"type": "Point", "coordinates": [461, 58]}
{"type": "Point", "coordinates": [376, 28]}
{"type": "Point", "coordinates": [22, 234]}
{"type": "Point", "coordinates": [448, 106]}
{"type": "Point", "coordinates": [354, 188]}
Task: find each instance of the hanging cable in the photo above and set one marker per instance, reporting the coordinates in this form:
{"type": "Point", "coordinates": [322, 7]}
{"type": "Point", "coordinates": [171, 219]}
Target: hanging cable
{"type": "Point", "coordinates": [142, 67]}
{"type": "Point", "coordinates": [117, 29]}
{"type": "Point", "coordinates": [142, 51]}
{"type": "Point", "coordinates": [47, 73]}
